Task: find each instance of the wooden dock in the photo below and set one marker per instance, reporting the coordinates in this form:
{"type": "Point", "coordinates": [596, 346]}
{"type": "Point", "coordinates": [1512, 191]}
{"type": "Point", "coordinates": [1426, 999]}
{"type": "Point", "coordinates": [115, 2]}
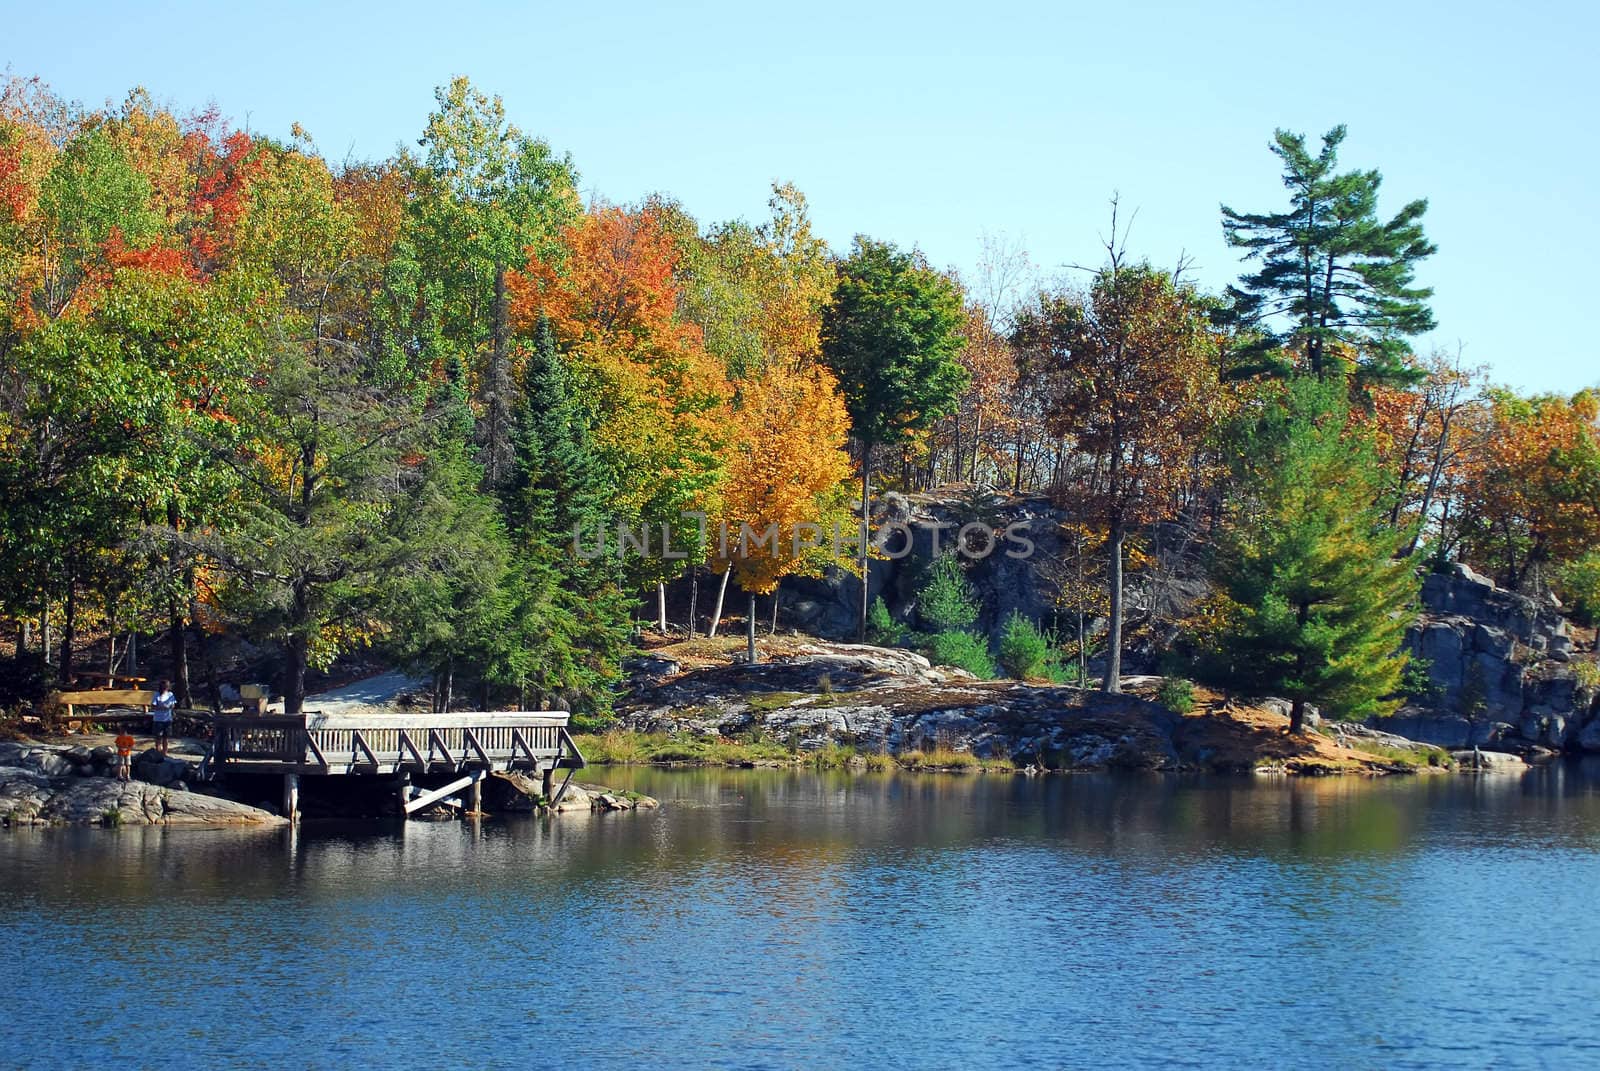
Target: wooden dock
{"type": "Point", "coordinates": [466, 747]}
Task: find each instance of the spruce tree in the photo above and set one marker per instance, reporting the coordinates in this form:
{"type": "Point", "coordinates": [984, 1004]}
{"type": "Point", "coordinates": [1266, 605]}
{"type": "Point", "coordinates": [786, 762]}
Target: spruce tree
{"type": "Point", "coordinates": [1313, 599]}
{"type": "Point", "coordinates": [570, 612]}
{"type": "Point", "coordinates": [1333, 277]}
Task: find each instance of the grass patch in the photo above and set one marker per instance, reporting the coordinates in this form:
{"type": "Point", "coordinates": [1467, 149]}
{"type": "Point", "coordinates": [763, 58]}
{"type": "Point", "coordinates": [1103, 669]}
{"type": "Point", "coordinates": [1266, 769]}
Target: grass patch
{"type": "Point", "coordinates": [1424, 755]}
{"type": "Point", "coordinates": [766, 702]}
{"type": "Point", "coordinates": [939, 758]}
{"type": "Point", "coordinates": [833, 757]}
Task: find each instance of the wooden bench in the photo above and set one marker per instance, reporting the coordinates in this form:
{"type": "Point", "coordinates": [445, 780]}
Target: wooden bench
{"type": "Point", "coordinates": [66, 702]}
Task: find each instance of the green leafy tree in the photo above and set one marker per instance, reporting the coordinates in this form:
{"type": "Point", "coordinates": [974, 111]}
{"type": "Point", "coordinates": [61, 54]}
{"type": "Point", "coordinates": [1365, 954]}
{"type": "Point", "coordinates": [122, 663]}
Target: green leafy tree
{"type": "Point", "coordinates": [891, 335]}
{"type": "Point", "coordinates": [1333, 276]}
{"type": "Point", "coordinates": [485, 195]}
{"type": "Point", "coordinates": [1313, 600]}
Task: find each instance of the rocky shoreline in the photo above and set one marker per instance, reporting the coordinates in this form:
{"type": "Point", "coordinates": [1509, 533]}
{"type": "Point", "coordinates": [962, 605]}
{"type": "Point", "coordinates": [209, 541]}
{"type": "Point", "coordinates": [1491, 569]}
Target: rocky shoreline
{"type": "Point", "coordinates": [43, 784]}
{"type": "Point", "coordinates": [811, 696]}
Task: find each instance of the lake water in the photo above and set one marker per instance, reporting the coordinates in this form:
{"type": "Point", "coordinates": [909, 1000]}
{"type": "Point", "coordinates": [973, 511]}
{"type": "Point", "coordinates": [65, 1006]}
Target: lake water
{"type": "Point", "coordinates": [783, 919]}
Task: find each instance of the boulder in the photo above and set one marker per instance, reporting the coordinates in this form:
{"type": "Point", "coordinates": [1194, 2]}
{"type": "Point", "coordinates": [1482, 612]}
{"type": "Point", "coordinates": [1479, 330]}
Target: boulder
{"type": "Point", "coordinates": [159, 769]}
{"type": "Point", "coordinates": [650, 667]}
{"type": "Point", "coordinates": [28, 797]}
{"type": "Point", "coordinates": [1588, 739]}
{"type": "Point", "coordinates": [1489, 761]}
{"type": "Point", "coordinates": [48, 761]}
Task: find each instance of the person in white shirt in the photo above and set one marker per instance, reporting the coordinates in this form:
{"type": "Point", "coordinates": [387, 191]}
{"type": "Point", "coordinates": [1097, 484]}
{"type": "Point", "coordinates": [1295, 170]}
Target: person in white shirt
{"type": "Point", "coordinates": [161, 708]}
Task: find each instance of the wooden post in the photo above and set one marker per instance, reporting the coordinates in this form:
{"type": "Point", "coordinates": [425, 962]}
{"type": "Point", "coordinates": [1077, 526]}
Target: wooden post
{"type": "Point", "coordinates": [291, 796]}
{"type": "Point", "coordinates": [475, 795]}
{"type": "Point", "coordinates": [549, 783]}
{"type": "Point", "coordinates": [403, 791]}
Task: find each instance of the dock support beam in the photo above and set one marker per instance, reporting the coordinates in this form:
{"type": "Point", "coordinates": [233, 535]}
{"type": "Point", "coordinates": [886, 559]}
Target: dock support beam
{"type": "Point", "coordinates": [475, 795]}
{"type": "Point", "coordinates": [548, 787]}
{"type": "Point", "coordinates": [291, 796]}
{"type": "Point", "coordinates": [403, 790]}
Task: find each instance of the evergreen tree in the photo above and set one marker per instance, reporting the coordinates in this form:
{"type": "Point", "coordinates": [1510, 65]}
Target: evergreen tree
{"type": "Point", "coordinates": [569, 612]}
{"type": "Point", "coordinates": [1337, 274]}
{"type": "Point", "coordinates": [946, 600]}
{"type": "Point", "coordinates": [1312, 600]}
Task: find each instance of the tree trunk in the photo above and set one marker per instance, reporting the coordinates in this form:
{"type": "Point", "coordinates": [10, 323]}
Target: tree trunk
{"type": "Point", "coordinates": [294, 687]}
{"type": "Point", "coordinates": [661, 606]}
{"type": "Point", "coordinates": [773, 630]}
{"type": "Point", "coordinates": [866, 535]}
{"type": "Point", "coordinates": [1083, 632]}
{"type": "Point", "coordinates": [133, 652]}
{"type": "Point", "coordinates": [716, 613]}
{"type": "Point", "coordinates": [499, 386]}
{"type": "Point", "coordinates": [977, 442]}
{"type": "Point", "coordinates": [178, 635]}
{"type": "Point", "coordinates": [69, 625]}
{"type": "Point", "coordinates": [294, 683]}
{"type": "Point", "coordinates": [1297, 717]}
{"type": "Point", "coordinates": [208, 665]}
{"type": "Point", "coordinates": [750, 629]}
{"type": "Point", "coordinates": [955, 461]}
{"type": "Point", "coordinates": [694, 597]}
{"type": "Point", "coordinates": [1113, 681]}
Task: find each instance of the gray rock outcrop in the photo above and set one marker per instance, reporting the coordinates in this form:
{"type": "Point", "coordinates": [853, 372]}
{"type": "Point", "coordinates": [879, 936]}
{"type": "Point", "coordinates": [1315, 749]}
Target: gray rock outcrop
{"type": "Point", "coordinates": [1500, 671]}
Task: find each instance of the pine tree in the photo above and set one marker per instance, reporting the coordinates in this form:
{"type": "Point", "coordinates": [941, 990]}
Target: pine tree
{"type": "Point", "coordinates": [1312, 596]}
{"type": "Point", "coordinates": [1338, 275]}
{"type": "Point", "coordinates": [569, 613]}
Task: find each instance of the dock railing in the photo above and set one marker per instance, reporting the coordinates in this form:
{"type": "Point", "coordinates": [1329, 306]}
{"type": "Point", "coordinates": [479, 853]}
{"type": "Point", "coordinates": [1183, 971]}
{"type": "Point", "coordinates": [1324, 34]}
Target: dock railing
{"type": "Point", "coordinates": [314, 743]}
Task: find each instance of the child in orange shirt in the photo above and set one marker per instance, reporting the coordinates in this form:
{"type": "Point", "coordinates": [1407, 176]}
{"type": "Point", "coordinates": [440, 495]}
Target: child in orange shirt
{"type": "Point", "coordinates": [124, 755]}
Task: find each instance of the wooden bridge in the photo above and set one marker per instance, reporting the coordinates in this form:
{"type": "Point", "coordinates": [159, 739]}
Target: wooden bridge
{"type": "Point", "coordinates": [467, 745]}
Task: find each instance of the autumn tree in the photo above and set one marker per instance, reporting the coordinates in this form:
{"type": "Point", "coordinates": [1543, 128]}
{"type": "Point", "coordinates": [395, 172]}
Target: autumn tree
{"type": "Point", "coordinates": [656, 396]}
{"type": "Point", "coordinates": [781, 498]}
{"type": "Point", "coordinates": [1132, 380]}
{"type": "Point", "coordinates": [891, 336]}
{"type": "Point", "coordinates": [1532, 493]}
{"type": "Point", "coordinates": [1331, 270]}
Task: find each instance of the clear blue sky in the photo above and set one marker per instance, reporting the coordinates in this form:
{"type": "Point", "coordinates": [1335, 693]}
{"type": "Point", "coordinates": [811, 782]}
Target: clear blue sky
{"type": "Point", "coordinates": [932, 123]}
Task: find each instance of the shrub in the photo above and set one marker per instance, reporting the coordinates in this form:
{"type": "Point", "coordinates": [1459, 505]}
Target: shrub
{"type": "Point", "coordinates": [1579, 582]}
{"type": "Point", "coordinates": [1025, 652]}
{"type": "Point", "coordinates": [1176, 694]}
{"type": "Point", "coordinates": [963, 650]}
{"type": "Point", "coordinates": [1416, 682]}
{"type": "Point", "coordinates": [946, 602]}
{"type": "Point", "coordinates": [881, 627]}
{"type": "Point", "coordinates": [1587, 674]}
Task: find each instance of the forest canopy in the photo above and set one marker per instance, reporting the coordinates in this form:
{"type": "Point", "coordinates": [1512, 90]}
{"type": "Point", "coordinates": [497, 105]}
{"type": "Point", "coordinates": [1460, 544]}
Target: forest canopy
{"type": "Point", "coordinates": [331, 407]}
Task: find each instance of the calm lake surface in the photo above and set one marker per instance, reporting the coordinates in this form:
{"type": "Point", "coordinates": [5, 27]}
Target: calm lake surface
{"type": "Point", "coordinates": [783, 919]}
